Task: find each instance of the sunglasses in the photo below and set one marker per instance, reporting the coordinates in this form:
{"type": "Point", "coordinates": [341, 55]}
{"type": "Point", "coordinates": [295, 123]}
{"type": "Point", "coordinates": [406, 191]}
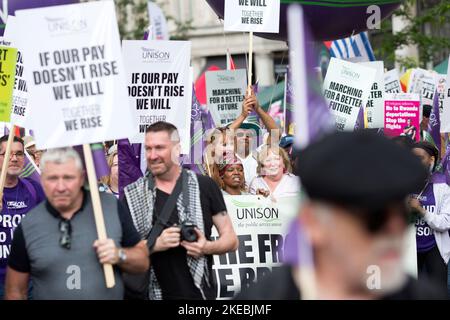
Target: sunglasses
{"type": "Point", "coordinates": [66, 234]}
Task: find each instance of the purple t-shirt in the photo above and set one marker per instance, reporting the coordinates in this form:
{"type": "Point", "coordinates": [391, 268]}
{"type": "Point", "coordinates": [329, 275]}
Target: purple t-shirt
{"type": "Point", "coordinates": [424, 234]}
{"type": "Point", "coordinates": [17, 202]}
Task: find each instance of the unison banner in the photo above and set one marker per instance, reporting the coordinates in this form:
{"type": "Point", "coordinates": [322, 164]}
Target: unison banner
{"type": "Point", "coordinates": [75, 73]}
{"type": "Point", "coordinates": [261, 226]}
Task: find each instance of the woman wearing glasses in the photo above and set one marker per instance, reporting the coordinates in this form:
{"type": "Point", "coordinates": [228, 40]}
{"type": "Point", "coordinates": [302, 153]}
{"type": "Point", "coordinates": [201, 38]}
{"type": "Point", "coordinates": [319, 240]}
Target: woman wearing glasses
{"type": "Point", "coordinates": [20, 195]}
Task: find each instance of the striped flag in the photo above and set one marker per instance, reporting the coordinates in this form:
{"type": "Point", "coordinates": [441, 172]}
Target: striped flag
{"type": "Point", "coordinates": [30, 170]}
{"type": "Point", "coordinates": [351, 47]}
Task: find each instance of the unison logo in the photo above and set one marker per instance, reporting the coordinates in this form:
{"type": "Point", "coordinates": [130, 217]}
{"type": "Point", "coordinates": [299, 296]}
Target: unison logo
{"type": "Point", "coordinates": [266, 214]}
{"type": "Point", "coordinates": [58, 26]}
{"type": "Point", "coordinates": [348, 73]}
{"type": "Point", "coordinates": [225, 79]}
{"type": "Point", "coordinates": [153, 55]}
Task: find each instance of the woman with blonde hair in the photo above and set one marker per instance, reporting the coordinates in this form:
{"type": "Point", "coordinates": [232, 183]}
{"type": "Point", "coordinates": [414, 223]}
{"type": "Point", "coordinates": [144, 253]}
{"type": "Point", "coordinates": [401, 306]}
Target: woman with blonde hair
{"type": "Point", "coordinates": [219, 143]}
{"type": "Point", "coordinates": [110, 183]}
{"type": "Point", "coordinates": [274, 174]}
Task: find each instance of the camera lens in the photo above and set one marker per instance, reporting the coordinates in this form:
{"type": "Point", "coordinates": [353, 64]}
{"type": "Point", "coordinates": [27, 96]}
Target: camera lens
{"type": "Point", "coordinates": [188, 232]}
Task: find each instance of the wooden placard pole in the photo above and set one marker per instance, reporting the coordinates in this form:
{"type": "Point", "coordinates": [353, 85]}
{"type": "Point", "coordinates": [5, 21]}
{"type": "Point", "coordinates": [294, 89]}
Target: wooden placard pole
{"type": "Point", "coordinates": [250, 61]}
{"type": "Point", "coordinates": [6, 158]}
{"type": "Point", "coordinates": [98, 213]}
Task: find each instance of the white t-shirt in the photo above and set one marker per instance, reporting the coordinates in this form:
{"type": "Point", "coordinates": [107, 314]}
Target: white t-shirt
{"type": "Point", "coordinates": [288, 186]}
{"type": "Point", "coordinates": [250, 164]}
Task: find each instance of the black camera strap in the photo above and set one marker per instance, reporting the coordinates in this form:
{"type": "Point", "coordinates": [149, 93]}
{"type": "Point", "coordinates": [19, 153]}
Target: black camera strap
{"type": "Point", "coordinates": [166, 212]}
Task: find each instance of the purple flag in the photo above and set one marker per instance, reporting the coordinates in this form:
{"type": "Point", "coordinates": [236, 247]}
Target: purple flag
{"type": "Point", "coordinates": [312, 116]}
{"type": "Point", "coordinates": [359, 125]}
{"type": "Point", "coordinates": [101, 165]}
{"type": "Point", "coordinates": [434, 125]}
{"type": "Point", "coordinates": [98, 155]}
{"type": "Point", "coordinates": [129, 163]}
{"type": "Point", "coordinates": [194, 160]}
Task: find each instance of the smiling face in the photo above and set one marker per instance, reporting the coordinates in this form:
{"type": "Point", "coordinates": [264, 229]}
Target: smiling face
{"type": "Point", "coordinates": [161, 152]}
{"type": "Point", "coordinates": [272, 165]}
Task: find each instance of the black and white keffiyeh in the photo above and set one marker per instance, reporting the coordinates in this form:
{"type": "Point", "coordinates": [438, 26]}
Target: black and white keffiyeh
{"type": "Point", "coordinates": [141, 197]}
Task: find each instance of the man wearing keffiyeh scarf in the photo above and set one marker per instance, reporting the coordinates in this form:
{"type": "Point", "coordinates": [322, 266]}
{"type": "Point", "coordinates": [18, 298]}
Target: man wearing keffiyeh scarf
{"type": "Point", "coordinates": [179, 269]}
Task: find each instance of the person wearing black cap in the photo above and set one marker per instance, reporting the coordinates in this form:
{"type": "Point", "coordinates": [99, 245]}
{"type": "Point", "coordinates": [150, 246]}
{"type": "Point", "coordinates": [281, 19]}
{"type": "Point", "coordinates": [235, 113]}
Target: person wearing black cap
{"type": "Point", "coordinates": [354, 217]}
{"type": "Point", "coordinates": [433, 223]}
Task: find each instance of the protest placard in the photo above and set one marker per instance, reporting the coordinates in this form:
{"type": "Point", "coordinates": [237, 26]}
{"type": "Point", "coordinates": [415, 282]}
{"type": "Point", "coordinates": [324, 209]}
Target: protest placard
{"type": "Point", "coordinates": [392, 82]}
{"type": "Point", "coordinates": [158, 85]}
{"type": "Point", "coordinates": [445, 116]}
{"type": "Point", "coordinates": [401, 116]}
{"type": "Point", "coordinates": [375, 103]}
{"type": "Point", "coordinates": [422, 82]}
{"type": "Point", "coordinates": [252, 15]}
{"type": "Point", "coordinates": [225, 91]}
{"type": "Point", "coordinates": [441, 82]}
{"type": "Point", "coordinates": [19, 113]}
{"type": "Point", "coordinates": [75, 74]}
{"type": "Point", "coordinates": [347, 87]}
{"type": "Point", "coordinates": [8, 58]}
{"type": "Point", "coordinates": [261, 226]}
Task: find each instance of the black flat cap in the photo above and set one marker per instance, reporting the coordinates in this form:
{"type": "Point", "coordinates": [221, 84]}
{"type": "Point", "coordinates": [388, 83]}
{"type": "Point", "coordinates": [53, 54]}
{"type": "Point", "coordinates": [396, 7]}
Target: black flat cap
{"type": "Point", "coordinates": [360, 169]}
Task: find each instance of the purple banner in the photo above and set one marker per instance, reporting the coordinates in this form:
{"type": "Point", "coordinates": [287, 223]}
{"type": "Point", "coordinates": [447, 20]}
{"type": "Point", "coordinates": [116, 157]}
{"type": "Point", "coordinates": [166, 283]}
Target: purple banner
{"type": "Point", "coordinates": [129, 163]}
{"type": "Point", "coordinates": [434, 124]}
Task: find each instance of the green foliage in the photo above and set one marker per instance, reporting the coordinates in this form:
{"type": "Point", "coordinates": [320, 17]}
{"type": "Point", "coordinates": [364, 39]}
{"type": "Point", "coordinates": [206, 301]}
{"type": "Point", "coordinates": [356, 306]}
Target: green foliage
{"type": "Point", "coordinates": [433, 45]}
{"type": "Point", "coordinates": [133, 20]}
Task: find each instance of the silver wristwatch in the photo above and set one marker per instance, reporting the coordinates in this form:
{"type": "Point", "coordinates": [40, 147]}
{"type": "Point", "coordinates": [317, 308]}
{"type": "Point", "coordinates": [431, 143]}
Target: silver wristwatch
{"type": "Point", "coordinates": [122, 256]}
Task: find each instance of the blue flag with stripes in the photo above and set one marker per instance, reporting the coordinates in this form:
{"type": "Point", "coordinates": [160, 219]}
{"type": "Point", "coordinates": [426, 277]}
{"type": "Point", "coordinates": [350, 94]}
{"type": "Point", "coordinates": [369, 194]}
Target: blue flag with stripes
{"type": "Point", "coordinates": [352, 47]}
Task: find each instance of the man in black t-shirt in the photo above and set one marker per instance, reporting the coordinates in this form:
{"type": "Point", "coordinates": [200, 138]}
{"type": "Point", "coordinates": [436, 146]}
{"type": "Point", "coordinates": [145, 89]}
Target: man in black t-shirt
{"type": "Point", "coordinates": [180, 269]}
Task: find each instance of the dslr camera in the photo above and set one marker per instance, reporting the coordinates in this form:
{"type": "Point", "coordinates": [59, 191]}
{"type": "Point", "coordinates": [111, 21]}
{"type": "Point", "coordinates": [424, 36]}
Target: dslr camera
{"type": "Point", "coordinates": [188, 232]}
